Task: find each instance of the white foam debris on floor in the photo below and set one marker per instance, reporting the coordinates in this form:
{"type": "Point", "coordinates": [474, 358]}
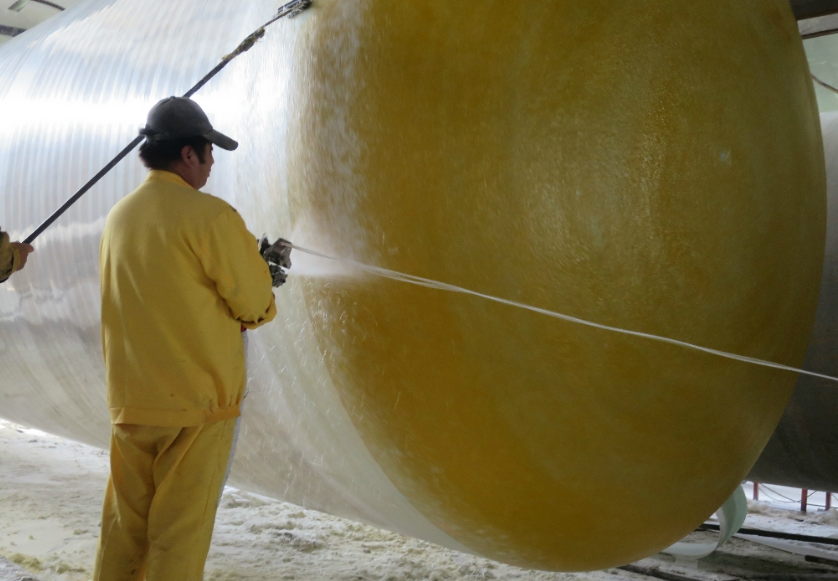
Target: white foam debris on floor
{"type": "Point", "coordinates": [50, 498]}
{"type": "Point", "coordinates": [11, 572]}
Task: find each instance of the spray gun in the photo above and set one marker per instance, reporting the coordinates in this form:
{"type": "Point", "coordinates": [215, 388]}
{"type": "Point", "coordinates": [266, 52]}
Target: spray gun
{"type": "Point", "coordinates": [278, 257]}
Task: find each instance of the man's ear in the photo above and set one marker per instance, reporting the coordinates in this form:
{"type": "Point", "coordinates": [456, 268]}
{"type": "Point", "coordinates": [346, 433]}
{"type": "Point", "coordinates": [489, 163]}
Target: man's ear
{"type": "Point", "coordinates": [185, 153]}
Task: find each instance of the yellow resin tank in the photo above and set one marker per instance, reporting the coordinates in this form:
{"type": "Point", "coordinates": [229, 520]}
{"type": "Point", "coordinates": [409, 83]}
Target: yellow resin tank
{"type": "Point", "coordinates": [655, 166]}
{"type": "Point", "coordinates": [649, 164]}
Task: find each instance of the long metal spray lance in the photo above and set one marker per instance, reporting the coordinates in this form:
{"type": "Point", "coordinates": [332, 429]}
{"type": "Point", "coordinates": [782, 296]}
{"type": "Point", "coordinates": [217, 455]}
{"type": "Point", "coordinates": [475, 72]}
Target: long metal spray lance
{"type": "Point", "coordinates": [290, 10]}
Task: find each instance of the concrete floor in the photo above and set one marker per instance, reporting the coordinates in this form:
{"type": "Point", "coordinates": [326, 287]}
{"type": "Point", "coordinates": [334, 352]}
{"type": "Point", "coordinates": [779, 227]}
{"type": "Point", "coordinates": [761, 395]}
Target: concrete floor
{"type": "Point", "coordinates": [50, 498]}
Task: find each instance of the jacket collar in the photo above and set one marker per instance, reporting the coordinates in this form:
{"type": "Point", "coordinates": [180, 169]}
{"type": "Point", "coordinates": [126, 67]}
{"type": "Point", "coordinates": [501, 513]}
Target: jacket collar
{"type": "Point", "coordinates": [166, 176]}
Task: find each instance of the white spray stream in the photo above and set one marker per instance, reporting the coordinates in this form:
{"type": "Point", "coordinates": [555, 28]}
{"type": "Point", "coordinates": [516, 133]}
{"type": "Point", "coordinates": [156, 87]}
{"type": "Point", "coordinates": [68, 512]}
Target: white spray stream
{"type": "Point", "coordinates": [428, 283]}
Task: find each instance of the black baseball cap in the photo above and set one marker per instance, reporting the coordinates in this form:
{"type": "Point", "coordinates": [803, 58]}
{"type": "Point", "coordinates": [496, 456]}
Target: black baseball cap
{"type": "Point", "coordinates": [179, 117]}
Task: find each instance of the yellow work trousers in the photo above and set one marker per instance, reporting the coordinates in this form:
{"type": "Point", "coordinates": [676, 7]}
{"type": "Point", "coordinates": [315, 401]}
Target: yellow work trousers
{"type": "Point", "coordinates": [161, 500]}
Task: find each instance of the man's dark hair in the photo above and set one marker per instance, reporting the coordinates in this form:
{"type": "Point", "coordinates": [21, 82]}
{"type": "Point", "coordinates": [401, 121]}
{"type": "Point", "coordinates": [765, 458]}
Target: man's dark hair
{"type": "Point", "coordinates": [162, 154]}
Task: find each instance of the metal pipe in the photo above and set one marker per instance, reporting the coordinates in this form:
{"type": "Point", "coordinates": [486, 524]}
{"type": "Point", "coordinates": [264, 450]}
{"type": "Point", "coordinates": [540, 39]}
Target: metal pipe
{"type": "Point", "coordinates": [819, 33]}
{"type": "Point", "coordinates": [50, 4]}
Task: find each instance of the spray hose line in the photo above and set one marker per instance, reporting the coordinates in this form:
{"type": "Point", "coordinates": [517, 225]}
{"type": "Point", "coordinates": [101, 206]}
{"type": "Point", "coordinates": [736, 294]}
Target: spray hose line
{"type": "Point", "coordinates": [428, 283]}
{"type": "Point", "coordinates": [289, 10]}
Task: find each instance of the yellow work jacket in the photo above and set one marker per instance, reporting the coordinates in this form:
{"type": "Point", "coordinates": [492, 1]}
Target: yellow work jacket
{"type": "Point", "coordinates": [9, 257]}
{"type": "Point", "coordinates": [180, 274]}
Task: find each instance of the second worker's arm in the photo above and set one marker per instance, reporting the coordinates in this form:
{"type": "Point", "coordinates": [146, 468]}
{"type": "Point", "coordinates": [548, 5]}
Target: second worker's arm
{"type": "Point", "coordinates": [13, 256]}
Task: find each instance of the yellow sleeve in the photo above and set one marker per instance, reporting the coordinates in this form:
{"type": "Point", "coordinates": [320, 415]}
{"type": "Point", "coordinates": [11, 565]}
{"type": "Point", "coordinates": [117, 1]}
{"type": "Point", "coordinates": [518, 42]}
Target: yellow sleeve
{"type": "Point", "coordinates": [231, 258]}
{"type": "Point", "coordinates": [9, 257]}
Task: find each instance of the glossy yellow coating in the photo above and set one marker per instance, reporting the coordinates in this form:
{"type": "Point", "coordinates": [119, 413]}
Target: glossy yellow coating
{"type": "Point", "coordinates": [650, 165]}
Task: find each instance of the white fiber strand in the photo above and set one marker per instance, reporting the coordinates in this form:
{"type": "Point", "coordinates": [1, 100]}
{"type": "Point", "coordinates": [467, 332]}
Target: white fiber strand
{"type": "Point", "coordinates": [428, 283]}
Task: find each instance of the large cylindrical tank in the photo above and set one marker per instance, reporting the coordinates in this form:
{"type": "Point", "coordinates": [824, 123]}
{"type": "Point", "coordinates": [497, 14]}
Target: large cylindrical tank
{"type": "Point", "coordinates": [655, 166]}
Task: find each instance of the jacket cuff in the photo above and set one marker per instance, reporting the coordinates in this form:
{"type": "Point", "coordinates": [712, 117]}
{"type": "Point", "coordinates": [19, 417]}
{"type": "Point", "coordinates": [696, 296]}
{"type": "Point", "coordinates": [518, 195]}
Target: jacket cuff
{"type": "Point", "coordinates": [15, 259]}
{"type": "Point", "coordinates": [266, 318]}
{"type": "Point", "coordinates": [9, 257]}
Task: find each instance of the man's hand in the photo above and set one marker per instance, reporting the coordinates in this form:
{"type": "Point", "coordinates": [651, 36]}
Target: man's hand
{"type": "Point", "coordinates": [278, 257]}
{"type": "Point", "coordinates": [24, 250]}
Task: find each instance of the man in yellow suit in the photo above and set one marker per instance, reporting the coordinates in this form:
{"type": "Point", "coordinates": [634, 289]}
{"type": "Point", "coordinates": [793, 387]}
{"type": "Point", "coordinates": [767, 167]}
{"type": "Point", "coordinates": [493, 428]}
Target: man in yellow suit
{"type": "Point", "coordinates": [180, 276]}
{"type": "Point", "coordinates": [13, 256]}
